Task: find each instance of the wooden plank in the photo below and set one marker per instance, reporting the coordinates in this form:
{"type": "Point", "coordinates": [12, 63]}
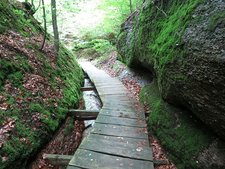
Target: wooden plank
{"type": "Point", "coordinates": [117, 104]}
{"type": "Point", "coordinates": [113, 89]}
{"type": "Point", "coordinates": [120, 121]}
{"type": "Point", "coordinates": [84, 114]}
{"type": "Point", "coordinates": [117, 112]}
{"type": "Point", "coordinates": [57, 160]}
{"type": "Point", "coordinates": [82, 118]}
{"type": "Point", "coordinates": [93, 160]}
{"type": "Point", "coordinates": [87, 88]}
{"type": "Point", "coordinates": [121, 146]}
{"type": "Point", "coordinates": [119, 131]}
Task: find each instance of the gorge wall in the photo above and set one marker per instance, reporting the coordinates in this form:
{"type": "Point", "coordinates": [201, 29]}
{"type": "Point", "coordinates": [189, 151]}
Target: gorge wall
{"type": "Point", "coordinates": [182, 43]}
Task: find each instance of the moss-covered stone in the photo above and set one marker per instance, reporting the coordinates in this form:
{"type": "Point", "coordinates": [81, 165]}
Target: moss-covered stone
{"type": "Point", "coordinates": [182, 42]}
{"type": "Point", "coordinates": [36, 88]}
{"type": "Point", "coordinates": [188, 141]}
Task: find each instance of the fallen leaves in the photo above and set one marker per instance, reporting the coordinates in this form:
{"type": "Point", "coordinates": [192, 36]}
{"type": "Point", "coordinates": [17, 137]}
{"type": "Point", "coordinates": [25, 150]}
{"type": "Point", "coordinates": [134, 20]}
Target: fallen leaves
{"type": "Point", "coordinates": [22, 55]}
{"type": "Point", "coordinates": [160, 154]}
{"type": "Point", "coordinates": [4, 106]}
{"type": "Point", "coordinates": [5, 129]}
{"type": "Point", "coordinates": [61, 144]}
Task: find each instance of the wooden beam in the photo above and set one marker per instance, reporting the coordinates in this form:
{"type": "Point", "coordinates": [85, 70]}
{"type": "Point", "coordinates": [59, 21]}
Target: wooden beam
{"type": "Point", "coordinates": [57, 160]}
{"type": "Point", "coordinates": [86, 117]}
{"type": "Point", "coordinates": [88, 88]}
{"type": "Point", "coordinates": [85, 114]}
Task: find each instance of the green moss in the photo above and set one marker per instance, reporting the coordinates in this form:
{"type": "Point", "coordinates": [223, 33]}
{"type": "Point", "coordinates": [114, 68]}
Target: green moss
{"type": "Point", "coordinates": [71, 75]}
{"type": "Point", "coordinates": [216, 19]}
{"type": "Point", "coordinates": [177, 131]}
{"type": "Point", "coordinates": [170, 32]}
{"type": "Point", "coordinates": [16, 19]}
{"type": "Point", "coordinates": [156, 38]}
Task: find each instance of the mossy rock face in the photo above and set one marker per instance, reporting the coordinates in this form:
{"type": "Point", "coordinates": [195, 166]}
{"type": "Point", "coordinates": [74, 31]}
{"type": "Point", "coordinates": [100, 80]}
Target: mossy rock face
{"type": "Point", "coordinates": [189, 142]}
{"type": "Point", "coordinates": [197, 81]}
{"type": "Point", "coordinates": [183, 42]}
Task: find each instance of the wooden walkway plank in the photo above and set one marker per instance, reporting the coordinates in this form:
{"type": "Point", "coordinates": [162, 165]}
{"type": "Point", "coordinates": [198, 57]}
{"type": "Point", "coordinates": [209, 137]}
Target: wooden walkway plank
{"type": "Point", "coordinates": [93, 160]}
{"type": "Point", "coordinates": [120, 121]}
{"type": "Point", "coordinates": [84, 114]}
{"type": "Point", "coordinates": [120, 131]}
{"type": "Point", "coordinates": [121, 146]}
{"type": "Point", "coordinates": [119, 112]}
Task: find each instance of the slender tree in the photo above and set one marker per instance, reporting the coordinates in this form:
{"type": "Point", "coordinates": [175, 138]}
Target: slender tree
{"type": "Point", "coordinates": [45, 24]}
{"type": "Point", "coordinates": [131, 8]}
{"type": "Point", "coordinates": [54, 24]}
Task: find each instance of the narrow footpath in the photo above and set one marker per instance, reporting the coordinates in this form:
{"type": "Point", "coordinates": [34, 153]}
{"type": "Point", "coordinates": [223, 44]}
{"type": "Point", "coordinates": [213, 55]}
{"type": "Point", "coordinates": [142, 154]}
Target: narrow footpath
{"type": "Point", "coordinates": [119, 138]}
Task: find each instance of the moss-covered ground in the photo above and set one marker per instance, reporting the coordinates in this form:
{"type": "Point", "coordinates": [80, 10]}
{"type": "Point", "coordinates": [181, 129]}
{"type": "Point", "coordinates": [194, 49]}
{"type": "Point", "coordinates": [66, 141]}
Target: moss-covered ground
{"type": "Point", "coordinates": [36, 87]}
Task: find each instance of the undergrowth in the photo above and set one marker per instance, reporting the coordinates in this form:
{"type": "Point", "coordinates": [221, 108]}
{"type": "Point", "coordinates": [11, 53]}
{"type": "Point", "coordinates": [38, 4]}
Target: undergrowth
{"type": "Point", "coordinates": [93, 49]}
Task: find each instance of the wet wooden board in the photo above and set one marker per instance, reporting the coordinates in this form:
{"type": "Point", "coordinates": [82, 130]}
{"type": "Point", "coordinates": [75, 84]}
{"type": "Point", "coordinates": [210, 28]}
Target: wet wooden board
{"type": "Point", "coordinates": [119, 146]}
{"type": "Point", "coordinates": [119, 131]}
{"type": "Point", "coordinates": [120, 121]}
{"type": "Point", "coordinates": [93, 160]}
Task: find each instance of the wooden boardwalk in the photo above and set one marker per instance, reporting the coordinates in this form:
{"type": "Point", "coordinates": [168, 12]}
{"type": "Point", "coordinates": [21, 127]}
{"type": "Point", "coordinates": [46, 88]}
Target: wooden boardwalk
{"type": "Point", "coordinates": [119, 137]}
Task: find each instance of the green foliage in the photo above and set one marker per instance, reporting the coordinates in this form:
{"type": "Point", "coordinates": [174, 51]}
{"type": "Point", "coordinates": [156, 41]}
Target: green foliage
{"type": "Point", "coordinates": [167, 122]}
{"type": "Point", "coordinates": [100, 45]}
{"type": "Point", "coordinates": [116, 13]}
{"type": "Point", "coordinates": [93, 49]}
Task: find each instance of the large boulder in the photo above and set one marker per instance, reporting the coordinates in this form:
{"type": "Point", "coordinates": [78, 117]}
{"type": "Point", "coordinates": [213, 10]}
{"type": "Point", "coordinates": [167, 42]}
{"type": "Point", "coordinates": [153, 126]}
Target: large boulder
{"type": "Point", "coordinates": [183, 42]}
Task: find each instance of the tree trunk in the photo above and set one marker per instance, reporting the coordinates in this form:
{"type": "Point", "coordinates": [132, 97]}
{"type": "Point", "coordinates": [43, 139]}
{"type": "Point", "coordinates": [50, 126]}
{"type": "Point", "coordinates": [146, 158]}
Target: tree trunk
{"type": "Point", "coordinates": [54, 24]}
{"type": "Point", "coordinates": [131, 10]}
{"type": "Point", "coordinates": [45, 24]}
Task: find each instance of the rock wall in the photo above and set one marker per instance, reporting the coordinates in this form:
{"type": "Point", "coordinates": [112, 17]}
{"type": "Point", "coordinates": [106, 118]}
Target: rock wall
{"type": "Point", "coordinates": [183, 42]}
